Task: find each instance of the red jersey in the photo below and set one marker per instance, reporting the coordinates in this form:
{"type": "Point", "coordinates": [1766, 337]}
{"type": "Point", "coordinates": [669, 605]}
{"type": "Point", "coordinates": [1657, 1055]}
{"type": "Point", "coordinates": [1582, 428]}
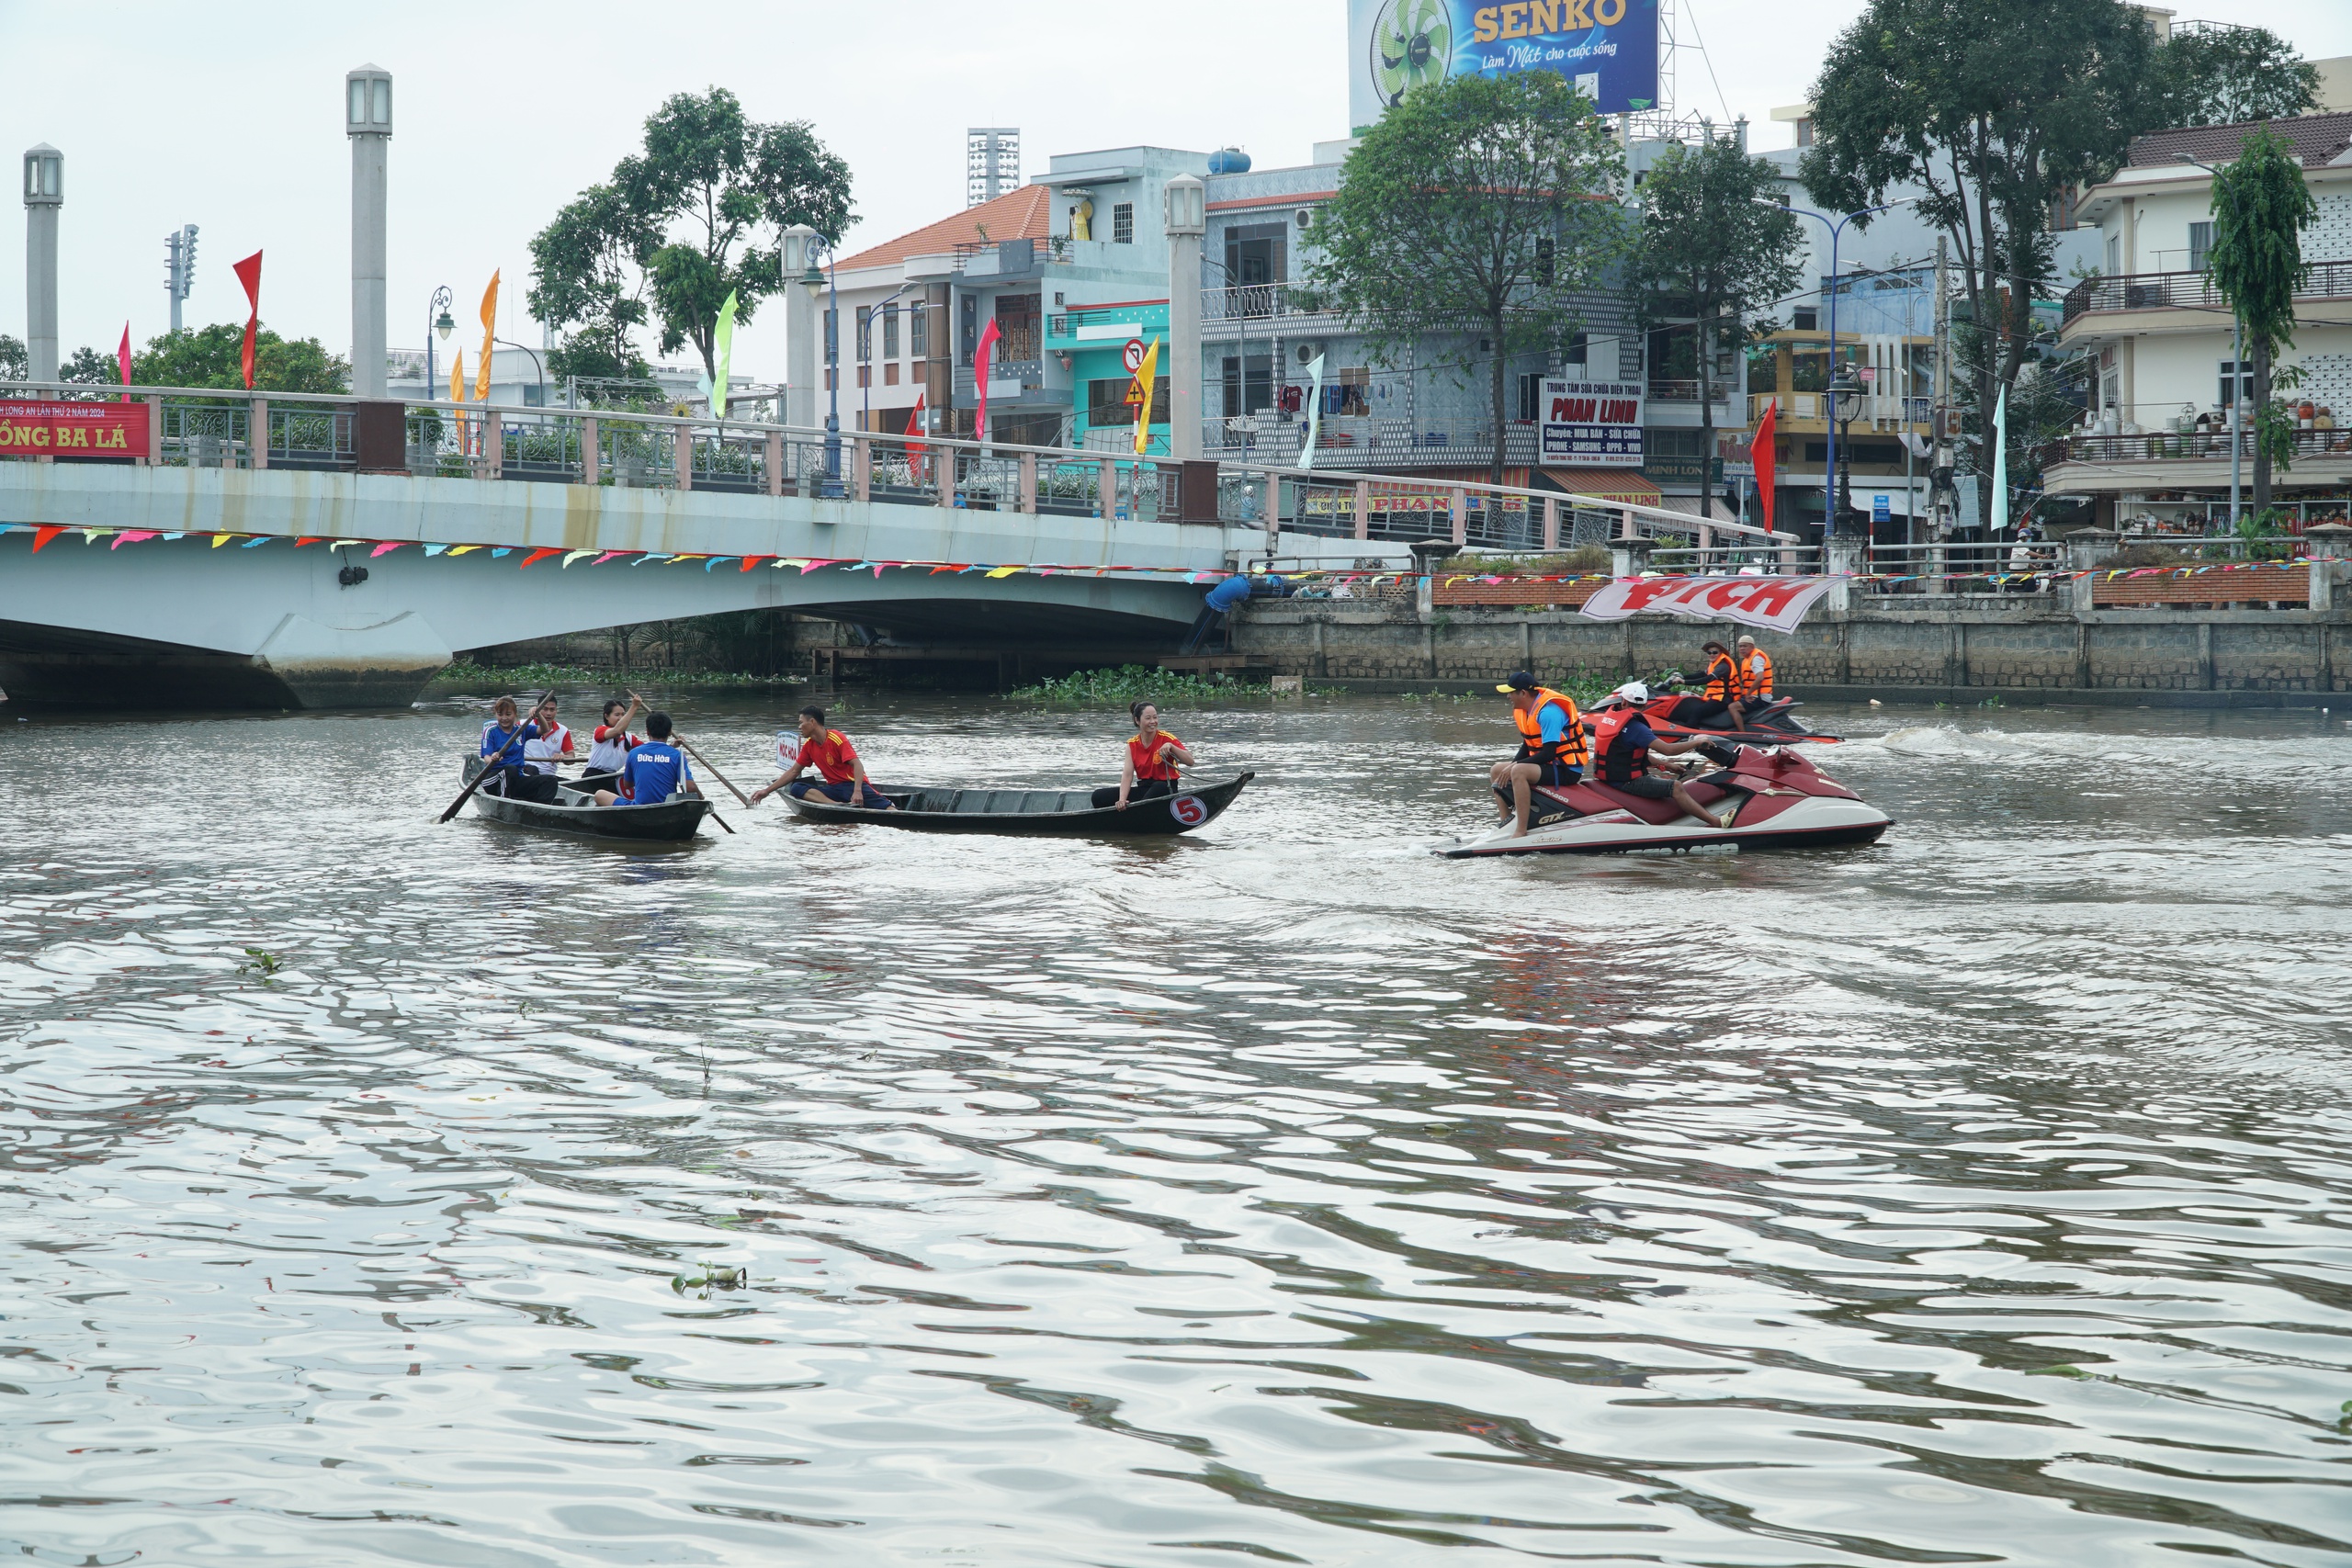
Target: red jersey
{"type": "Point", "coordinates": [831, 756]}
{"type": "Point", "coordinates": [1145, 755]}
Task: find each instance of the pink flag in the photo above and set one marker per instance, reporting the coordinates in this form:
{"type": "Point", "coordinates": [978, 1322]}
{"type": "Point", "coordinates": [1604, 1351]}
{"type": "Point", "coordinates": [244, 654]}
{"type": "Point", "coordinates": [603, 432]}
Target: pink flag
{"type": "Point", "coordinates": [988, 336]}
{"type": "Point", "coordinates": [122, 358]}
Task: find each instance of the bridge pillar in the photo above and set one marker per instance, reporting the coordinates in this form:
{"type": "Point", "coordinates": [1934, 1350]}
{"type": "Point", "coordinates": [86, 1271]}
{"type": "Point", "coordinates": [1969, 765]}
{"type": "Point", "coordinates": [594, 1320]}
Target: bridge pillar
{"type": "Point", "coordinates": [368, 121]}
{"type": "Point", "coordinates": [592, 452]}
{"type": "Point", "coordinates": [801, 333]}
{"type": "Point", "coordinates": [773, 452]}
{"type": "Point", "coordinates": [1186, 221]}
{"type": "Point", "coordinates": [1029, 483]}
{"type": "Point", "coordinates": [44, 198]}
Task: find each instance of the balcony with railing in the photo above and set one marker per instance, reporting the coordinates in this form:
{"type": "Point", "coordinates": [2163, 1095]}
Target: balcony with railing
{"type": "Point", "coordinates": [1224, 311]}
{"type": "Point", "coordinates": [2209, 445]}
{"type": "Point", "coordinates": [1805, 413]}
{"type": "Point", "coordinates": [2187, 291]}
{"type": "Point", "coordinates": [1373, 442]}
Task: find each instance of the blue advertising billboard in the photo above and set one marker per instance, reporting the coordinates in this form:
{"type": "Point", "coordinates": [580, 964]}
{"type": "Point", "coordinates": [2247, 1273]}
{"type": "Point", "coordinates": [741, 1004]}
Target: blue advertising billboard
{"type": "Point", "coordinates": [1608, 49]}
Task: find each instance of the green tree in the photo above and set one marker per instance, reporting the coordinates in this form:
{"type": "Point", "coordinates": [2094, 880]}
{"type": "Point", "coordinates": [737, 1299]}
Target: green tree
{"type": "Point", "coordinates": [1986, 110]}
{"type": "Point", "coordinates": [2261, 206]}
{"type": "Point", "coordinates": [1712, 249]}
{"type": "Point", "coordinates": [90, 366]}
{"type": "Point", "coordinates": [2213, 74]}
{"type": "Point", "coordinates": [213, 356]}
{"type": "Point", "coordinates": [1478, 205]}
{"type": "Point", "coordinates": [677, 229]}
{"type": "Point", "coordinates": [16, 360]}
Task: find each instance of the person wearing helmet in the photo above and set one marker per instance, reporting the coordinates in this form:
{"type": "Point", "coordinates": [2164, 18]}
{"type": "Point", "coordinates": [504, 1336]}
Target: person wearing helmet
{"type": "Point", "coordinates": [1553, 751]}
{"type": "Point", "coordinates": [1626, 746]}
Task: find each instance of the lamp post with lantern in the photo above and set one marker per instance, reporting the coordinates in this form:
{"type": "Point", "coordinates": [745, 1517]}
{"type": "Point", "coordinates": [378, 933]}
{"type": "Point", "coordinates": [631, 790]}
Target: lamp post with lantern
{"type": "Point", "coordinates": [368, 121]}
{"type": "Point", "coordinates": [44, 197]}
{"type": "Point", "coordinates": [1845, 401]}
{"type": "Point", "coordinates": [436, 325]}
{"type": "Point", "coordinates": [821, 280]}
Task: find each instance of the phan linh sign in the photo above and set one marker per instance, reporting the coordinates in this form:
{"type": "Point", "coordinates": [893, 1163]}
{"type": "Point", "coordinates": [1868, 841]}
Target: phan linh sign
{"type": "Point", "coordinates": [1593, 424]}
{"type": "Point", "coordinates": [1607, 49]}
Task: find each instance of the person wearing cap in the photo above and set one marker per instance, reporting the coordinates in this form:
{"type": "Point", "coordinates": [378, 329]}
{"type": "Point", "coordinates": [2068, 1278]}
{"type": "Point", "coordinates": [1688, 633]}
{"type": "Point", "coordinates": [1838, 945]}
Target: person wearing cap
{"type": "Point", "coordinates": [1719, 707]}
{"type": "Point", "coordinates": [1755, 673]}
{"type": "Point", "coordinates": [1553, 751]}
{"type": "Point", "coordinates": [1626, 745]}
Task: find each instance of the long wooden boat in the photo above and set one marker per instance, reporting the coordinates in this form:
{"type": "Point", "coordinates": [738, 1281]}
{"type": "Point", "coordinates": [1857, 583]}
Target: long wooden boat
{"type": "Point", "coordinates": [1068, 813]}
{"type": "Point", "coordinates": [576, 812]}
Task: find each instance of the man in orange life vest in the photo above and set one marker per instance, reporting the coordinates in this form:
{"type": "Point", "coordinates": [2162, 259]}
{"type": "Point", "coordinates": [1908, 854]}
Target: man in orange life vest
{"type": "Point", "coordinates": [1719, 708]}
{"type": "Point", "coordinates": [1553, 751]}
{"type": "Point", "coordinates": [835, 760]}
{"type": "Point", "coordinates": [1755, 674]}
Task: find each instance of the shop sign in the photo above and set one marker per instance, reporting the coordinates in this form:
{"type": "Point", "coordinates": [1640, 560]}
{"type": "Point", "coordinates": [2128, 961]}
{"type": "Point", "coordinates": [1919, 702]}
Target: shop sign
{"type": "Point", "coordinates": [1593, 423]}
{"type": "Point", "coordinates": [73, 429]}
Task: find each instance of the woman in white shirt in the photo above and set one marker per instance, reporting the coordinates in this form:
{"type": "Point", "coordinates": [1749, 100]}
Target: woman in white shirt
{"type": "Point", "coordinates": [553, 742]}
{"type": "Point", "coordinates": [610, 748]}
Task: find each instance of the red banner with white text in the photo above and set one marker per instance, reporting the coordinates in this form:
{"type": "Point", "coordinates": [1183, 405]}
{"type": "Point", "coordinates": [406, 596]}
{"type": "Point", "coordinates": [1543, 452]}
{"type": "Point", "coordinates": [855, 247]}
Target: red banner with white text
{"type": "Point", "coordinates": [1777, 603]}
{"type": "Point", "coordinates": [72, 429]}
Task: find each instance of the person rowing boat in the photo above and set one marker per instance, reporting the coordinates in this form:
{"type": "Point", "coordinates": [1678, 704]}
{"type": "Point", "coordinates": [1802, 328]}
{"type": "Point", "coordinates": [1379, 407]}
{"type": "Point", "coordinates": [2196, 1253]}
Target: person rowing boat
{"type": "Point", "coordinates": [1149, 768]}
{"type": "Point", "coordinates": [654, 771]}
{"type": "Point", "coordinates": [610, 749]}
{"type": "Point", "coordinates": [551, 745]}
{"type": "Point", "coordinates": [841, 776]}
{"type": "Point", "coordinates": [505, 742]}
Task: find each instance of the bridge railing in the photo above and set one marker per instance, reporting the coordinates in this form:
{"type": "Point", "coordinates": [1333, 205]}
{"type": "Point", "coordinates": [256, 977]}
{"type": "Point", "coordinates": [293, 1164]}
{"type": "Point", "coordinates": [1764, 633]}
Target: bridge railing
{"type": "Point", "coordinates": [209, 427]}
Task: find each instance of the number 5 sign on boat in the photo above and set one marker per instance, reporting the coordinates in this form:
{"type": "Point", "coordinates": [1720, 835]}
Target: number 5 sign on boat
{"type": "Point", "coordinates": [1188, 809]}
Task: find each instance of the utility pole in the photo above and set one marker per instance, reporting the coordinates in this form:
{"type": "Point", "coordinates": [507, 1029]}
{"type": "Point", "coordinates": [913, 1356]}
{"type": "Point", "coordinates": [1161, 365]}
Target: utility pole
{"type": "Point", "coordinates": [1939, 466]}
{"type": "Point", "coordinates": [368, 121]}
{"type": "Point", "coordinates": [179, 264]}
{"type": "Point", "coordinates": [44, 198]}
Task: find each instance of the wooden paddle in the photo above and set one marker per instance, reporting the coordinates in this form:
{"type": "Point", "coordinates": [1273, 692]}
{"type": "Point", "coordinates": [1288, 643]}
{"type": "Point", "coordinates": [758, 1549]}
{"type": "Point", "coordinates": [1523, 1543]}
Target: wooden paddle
{"type": "Point", "coordinates": [468, 792]}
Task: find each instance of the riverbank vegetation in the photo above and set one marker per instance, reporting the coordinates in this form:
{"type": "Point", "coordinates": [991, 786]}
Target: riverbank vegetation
{"type": "Point", "coordinates": [1137, 683]}
{"type": "Point", "coordinates": [467, 676]}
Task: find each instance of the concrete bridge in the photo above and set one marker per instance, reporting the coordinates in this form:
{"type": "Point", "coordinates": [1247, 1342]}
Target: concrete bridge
{"type": "Point", "coordinates": [291, 551]}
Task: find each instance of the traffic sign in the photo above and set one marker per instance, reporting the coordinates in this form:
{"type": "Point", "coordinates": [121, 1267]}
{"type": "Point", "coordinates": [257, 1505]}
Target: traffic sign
{"type": "Point", "coordinates": [1881, 511]}
{"type": "Point", "coordinates": [1132, 356]}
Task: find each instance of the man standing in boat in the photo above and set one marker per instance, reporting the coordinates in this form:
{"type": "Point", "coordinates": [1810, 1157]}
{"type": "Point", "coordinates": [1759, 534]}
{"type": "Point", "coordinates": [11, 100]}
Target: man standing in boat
{"type": "Point", "coordinates": [654, 771]}
{"type": "Point", "coordinates": [842, 777]}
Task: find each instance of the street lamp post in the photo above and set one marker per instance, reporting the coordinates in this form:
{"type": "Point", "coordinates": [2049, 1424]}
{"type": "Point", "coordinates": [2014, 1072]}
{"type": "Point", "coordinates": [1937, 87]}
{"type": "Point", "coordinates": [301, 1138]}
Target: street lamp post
{"type": "Point", "coordinates": [865, 403]}
{"type": "Point", "coordinates": [367, 121]}
{"type": "Point", "coordinates": [1830, 518]}
{"type": "Point", "coordinates": [1845, 401]}
{"type": "Point", "coordinates": [436, 320]}
{"type": "Point", "coordinates": [536, 364]}
{"type": "Point", "coordinates": [824, 281]}
{"type": "Point", "coordinates": [44, 197]}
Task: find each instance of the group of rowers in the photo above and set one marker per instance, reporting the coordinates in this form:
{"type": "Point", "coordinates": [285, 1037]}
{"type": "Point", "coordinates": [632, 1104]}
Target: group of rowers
{"type": "Point", "coordinates": [1557, 745]}
{"type": "Point", "coordinates": [627, 769]}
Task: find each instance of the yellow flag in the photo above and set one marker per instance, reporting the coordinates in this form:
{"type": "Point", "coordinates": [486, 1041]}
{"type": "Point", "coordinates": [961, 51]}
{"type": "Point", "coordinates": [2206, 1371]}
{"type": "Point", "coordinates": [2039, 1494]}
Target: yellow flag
{"type": "Point", "coordinates": [458, 376]}
{"type": "Point", "coordinates": [489, 327]}
{"type": "Point", "coordinates": [1139, 394]}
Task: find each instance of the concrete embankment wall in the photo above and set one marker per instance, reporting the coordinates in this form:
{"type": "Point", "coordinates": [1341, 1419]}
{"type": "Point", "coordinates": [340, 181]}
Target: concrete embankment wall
{"type": "Point", "coordinates": [2027, 643]}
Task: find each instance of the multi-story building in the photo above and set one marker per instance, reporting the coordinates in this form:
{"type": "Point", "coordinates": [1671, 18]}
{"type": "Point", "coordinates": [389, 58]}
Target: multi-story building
{"type": "Point", "coordinates": [2156, 449]}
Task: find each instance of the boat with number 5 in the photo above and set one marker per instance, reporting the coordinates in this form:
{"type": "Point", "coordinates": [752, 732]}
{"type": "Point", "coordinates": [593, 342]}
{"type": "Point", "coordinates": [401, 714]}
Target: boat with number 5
{"type": "Point", "coordinates": [1068, 813]}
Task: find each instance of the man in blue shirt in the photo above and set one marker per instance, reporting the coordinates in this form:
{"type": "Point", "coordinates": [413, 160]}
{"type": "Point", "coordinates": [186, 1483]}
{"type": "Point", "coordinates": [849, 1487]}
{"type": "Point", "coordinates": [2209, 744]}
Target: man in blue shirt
{"type": "Point", "coordinates": [1552, 749]}
{"type": "Point", "coordinates": [653, 770]}
{"type": "Point", "coordinates": [503, 750]}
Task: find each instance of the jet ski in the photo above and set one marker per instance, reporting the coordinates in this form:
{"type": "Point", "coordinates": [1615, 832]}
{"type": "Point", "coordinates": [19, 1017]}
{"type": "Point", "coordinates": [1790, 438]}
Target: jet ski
{"type": "Point", "coordinates": [1762, 799]}
{"type": "Point", "coordinates": [1772, 723]}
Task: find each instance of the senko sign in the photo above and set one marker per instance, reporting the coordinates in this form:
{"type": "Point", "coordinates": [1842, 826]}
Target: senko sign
{"type": "Point", "coordinates": [72, 429]}
{"type": "Point", "coordinates": [1593, 423]}
{"type": "Point", "coordinates": [1608, 49]}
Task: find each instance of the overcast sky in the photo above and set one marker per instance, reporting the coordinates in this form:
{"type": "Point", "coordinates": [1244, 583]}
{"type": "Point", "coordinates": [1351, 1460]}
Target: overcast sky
{"type": "Point", "coordinates": [230, 116]}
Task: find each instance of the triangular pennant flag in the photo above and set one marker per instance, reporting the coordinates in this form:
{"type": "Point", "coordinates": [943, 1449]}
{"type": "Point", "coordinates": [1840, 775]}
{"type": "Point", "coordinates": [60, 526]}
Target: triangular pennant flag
{"type": "Point", "coordinates": [387, 547]}
{"type": "Point", "coordinates": [606, 557]}
{"type": "Point", "coordinates": [43, 535]}
{"type": "Point", "coordinates": [461, 549]}
{"type": "Point", "coordinates": [646, 559]}
{"type": "Point", "coordinates": [130, 537]}
{"type": "Point", "coordinates": [257, 539]}
{"type": "Point", "coordinates": [575, 555]}
{"type": "Point", "coordinates": [220, 539]}
{"type": "Point", "coordinates": [500, 551]}
{"type": "Point", "coordinates": [750, 561]}
{"type": "Point", "coordinates": [308, 539]}
{"type": "Point", "coordinates": [434, 549]}
{"type": "Point", "coordinates": [540, 555]}
{"type": "Point", "coordinates": [340, 543]}
{"type": "Point", "coordinates": [1002, 571]}
{"type": "Point", "coordinates": [714, 560]}
{"type": "Point", "coordinates": [92, 535]}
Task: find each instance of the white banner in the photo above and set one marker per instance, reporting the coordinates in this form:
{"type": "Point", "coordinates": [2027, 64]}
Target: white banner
{"type": "Point", "coordinates": [1593, 424]}
{"type": "Point", "coordinates": [1777, 603]}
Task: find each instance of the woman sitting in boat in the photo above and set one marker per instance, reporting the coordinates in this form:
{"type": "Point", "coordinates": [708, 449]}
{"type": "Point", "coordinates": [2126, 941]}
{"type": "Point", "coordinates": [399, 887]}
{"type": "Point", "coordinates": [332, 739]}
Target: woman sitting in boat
{"type": "Point", "coordinates": [551, 745]}
{"type": "Point", "coordinates": [506, 740]}
{"type": "Point", "coordinates": [1149, 767]}
{"type": "Point", "coordinates": [655, 769]}
{"type": "Point", "coordinates": [611, 745]}
{"type": "Point", "coordinates": [842, 774]}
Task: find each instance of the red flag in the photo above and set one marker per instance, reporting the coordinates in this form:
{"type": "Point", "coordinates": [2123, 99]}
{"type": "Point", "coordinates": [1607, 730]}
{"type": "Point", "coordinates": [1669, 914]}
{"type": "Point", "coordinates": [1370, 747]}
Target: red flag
{"type": "Point", "coordinates": [915, 449]}
{"type": "Point", "coordinates": [122, 358]}
{"type": "Point", "coordinates": [1759, 453]}
{"type": "Point", "coordinates": [988, 336]}
{"type": "Point", "coordinates": [248, 273]}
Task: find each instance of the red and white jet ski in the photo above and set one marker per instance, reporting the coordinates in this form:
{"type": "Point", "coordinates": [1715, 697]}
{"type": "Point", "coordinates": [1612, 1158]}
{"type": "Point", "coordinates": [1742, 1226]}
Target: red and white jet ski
{"type": "Point", "coordinates": [1772, 799]}
{"type": "Point", "coordinates": [1772, 722]}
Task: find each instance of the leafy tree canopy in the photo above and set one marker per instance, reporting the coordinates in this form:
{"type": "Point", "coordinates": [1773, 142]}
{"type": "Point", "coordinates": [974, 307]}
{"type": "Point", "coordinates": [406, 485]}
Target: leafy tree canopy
{"type": "Point", "coordinates": [16, 360]}
{"type": "Point", "coordinates": [1478, 205]}
{"type": "Point", "coordinates": [676, 228]}
{"type": "Point", "coordinates": [100, 369]}
{"type": "Point", "coordinates": [213, 356]}
{"type": "Point", "coordinates": [2261, 206]}
{"type": "Point", "coordinates": [2212, 74]}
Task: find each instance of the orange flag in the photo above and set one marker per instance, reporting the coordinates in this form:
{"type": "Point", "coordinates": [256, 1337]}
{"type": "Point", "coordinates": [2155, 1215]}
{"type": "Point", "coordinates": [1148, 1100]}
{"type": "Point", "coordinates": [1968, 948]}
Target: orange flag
{"type": "Point", "coordinates": [458, 376]}
{"type": "Point", "coordinates": [489, 326]}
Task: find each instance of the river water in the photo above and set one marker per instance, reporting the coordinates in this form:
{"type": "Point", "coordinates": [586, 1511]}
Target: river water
{"type": "Point", "coordinates": [1281, 1195]}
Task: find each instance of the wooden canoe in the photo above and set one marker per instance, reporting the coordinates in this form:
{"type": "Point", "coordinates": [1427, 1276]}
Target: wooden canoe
{"type": "Point", "coordinates": [674, 821]}
{"type": "Point", "coordinates": [1068, 813]}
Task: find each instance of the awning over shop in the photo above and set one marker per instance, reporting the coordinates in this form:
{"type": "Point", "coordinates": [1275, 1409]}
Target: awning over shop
{"type": "Point", "coordinates": [1606, 484]}
{"type": "Point", "coordinates": [1714, 512]}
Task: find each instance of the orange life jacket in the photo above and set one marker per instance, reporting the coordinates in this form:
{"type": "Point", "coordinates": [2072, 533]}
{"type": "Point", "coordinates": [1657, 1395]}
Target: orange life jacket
{"type": "Point", "coordinates": [1145, 755]}
{"type": "Point", "coordinates": [1722, 679]}
{"type": "Point", "coordinates": [1573, 749]}
{"type": "Point", "coordinates": [1759, 673]}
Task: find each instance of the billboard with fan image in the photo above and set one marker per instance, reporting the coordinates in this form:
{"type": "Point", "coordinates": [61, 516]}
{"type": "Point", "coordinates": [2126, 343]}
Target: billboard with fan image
{"type": "Point", "coordinates": [1608, 49]}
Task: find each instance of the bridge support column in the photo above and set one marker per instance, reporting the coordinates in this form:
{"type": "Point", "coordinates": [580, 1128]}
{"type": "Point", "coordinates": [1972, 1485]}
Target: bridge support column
{"type": "Point", "coordinates": [774, 455]}
{"type": "Point", "coordinates": [1186, 222]}
{"type": "Point", "coordinates": [681, 458]}
{"type": "Point", "coordinates": [1109, 486]}
{"type": "Point", "coordinates": [1029, 483]}
{"type": "Point", "coordinates": [257, 434]}
{"type": "Point", "coordinates": [1551, 524]}
{"type": "Point", "coordinates": [592, 452]}
{"type": "Point", "coordinates": [368, 121]}
{"type": "Point", "coordinates": [861, 468]}
{"type": "Point", "coordinates": [1460, 508]}
{"type": "Point", "coordinates": [493, 446]}
{"type": "Point", "coordinates": [1363, 509]}
{"type": "Point", "coordinates": [44, 199]}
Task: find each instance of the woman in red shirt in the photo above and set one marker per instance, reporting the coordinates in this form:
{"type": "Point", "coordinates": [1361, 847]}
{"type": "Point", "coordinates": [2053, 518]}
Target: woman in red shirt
{"type": "Point", "coordinates": [1149, 767]}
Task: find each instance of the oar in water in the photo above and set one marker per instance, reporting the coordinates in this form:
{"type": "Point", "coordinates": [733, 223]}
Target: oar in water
{"type": "Point", "coordinates": [468, 792]}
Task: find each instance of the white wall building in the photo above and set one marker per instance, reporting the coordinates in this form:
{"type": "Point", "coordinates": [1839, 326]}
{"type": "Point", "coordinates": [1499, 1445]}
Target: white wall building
{"type": "Point", "coordinates": [2157, 448]}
